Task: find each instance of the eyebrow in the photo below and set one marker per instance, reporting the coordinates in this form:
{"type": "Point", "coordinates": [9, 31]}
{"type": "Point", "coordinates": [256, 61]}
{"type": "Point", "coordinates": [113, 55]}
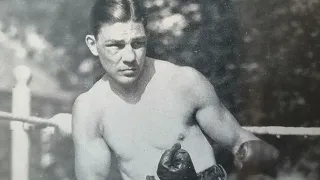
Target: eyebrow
{"type": "Point", "coordinates": [114, 41]}
{"type": "Point", "coordinates": [122, 41]}
{"type": "Point", "coordinates": [140, 38]}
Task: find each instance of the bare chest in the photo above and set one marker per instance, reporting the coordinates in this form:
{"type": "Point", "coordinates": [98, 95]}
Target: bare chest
{"type": "Point", "coordinates": [155, 123]}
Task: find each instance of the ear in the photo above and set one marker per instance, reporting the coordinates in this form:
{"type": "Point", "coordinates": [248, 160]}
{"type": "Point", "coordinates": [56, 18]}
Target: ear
{"type": "Point", "coordinates": [92, 44]}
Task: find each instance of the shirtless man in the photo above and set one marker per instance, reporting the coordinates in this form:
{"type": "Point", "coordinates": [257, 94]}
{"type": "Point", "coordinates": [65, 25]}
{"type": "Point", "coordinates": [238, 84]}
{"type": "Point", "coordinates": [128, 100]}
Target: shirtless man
{"type": "Point", "coordinates": [143, 106]}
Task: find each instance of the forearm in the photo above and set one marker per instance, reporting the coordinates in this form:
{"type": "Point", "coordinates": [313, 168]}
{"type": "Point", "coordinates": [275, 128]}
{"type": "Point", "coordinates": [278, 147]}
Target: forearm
{"type": "Point", "coordinates": [220, 126]}
{"type": "Point", "coordinates": [252, 155]}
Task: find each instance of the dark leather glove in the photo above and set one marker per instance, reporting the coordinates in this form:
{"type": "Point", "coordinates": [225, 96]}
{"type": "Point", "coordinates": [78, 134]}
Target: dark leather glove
{"type": "Point", "coordinates": [255, 157]}
{"type": "Point", "coordinates": [176, 164]}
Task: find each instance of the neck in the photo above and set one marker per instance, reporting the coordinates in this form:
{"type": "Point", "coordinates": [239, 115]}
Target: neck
{"type": "Point", "coordinates": [132, 92]}
{"type": "Point", "coordinates": [125, 90]}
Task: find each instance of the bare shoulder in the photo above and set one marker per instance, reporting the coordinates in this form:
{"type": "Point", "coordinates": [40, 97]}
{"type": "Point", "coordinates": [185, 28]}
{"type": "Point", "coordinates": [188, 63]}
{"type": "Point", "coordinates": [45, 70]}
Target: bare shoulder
{"type": "Point", "coordinates": [191, 74]}
{"type": "Point", "coordinates": [183, 76]}
{"type": "Point", "coordinates": [196, 86]}
{"type": "Point", "coordinates": [161, 64]}
{"type": "Point", "coordinates": [187, 80]}
{"type": "Point", "coordinates": [93, 96]}
{"type": "Point", "coordinates": [87, 99]}
{"type": "Point", "coordinates": [170, 70]}
{"type": "Point", "coordinates": [164, 68]}
{"type": "Point", "coordinates": [86, 111]}
{"type": "Point", "coordinates": [82, 101]}
{"type": "Point", "coordinates": [189, 77]}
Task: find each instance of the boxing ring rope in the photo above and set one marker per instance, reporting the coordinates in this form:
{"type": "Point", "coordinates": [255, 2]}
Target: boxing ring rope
{"type": "Point", "coordinates": [26, 119]}
{"type": "Point", "coordinates": [280, 130]}
{"type": "Point", "coordinates": [270, 130]}
{"type": "Point", "coordinates": [21, 98]}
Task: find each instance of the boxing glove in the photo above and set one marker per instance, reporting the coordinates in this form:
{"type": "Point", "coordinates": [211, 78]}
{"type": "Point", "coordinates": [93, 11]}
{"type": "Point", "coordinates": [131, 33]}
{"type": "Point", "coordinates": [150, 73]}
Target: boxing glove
{"type": "Point", "coordinates": [176, 164]}
{"type": "Point", "coordinates": [255, 157]}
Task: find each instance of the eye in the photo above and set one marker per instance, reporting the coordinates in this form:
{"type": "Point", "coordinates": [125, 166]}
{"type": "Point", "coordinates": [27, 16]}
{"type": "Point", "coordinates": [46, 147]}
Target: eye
{"type": "Point", "coordinates": [138, 44]}
{"type": "Point", "coordinates": [116, 46]}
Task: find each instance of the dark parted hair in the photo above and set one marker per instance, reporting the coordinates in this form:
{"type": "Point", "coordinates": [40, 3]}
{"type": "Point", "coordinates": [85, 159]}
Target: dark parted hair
{"type": "Point", "coordinates": [113, 11]}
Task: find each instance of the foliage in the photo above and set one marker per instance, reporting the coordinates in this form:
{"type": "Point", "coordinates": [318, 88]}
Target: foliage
{"type": "Point", "coordinates": [282, 46]}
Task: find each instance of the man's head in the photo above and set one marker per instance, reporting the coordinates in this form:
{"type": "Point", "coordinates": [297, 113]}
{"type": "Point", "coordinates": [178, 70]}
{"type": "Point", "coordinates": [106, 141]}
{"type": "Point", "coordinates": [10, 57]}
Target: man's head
{"type": "Point", "coordinates": [114, 11]}
{"type": "Point", "coordinates": [118, 37]}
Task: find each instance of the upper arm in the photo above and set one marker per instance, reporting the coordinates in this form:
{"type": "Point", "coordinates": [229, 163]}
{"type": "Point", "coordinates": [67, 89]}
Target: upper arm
{"type": "Point", "coordinates": [212, 116]}
{"type": "Point", "coordinates": [92, 154]}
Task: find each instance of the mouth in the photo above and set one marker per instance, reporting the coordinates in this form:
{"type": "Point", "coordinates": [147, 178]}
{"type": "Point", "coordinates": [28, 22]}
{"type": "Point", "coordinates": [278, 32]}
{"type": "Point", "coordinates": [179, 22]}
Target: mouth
{"type": "Point", "coordinates": [128, 71]}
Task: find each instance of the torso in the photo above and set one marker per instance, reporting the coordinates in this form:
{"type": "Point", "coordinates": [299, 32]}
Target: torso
{"type": "Point", "coordinates": [138, 133]}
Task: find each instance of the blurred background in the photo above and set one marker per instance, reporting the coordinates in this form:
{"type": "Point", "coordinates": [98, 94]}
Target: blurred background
{"type": "Point", "coordinates": [261, 56]}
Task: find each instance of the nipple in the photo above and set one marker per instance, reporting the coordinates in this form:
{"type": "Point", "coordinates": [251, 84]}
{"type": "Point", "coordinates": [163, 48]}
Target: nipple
{"type": "Point", "coordinates": [181, 137]}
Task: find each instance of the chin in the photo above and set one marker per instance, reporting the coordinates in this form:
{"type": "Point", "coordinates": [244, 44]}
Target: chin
{"type": "Point", "coordinates": [127, 80]}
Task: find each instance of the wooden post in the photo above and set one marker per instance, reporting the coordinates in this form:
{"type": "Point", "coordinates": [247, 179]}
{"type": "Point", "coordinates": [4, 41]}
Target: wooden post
{"type": "Point", "coordinates": [20, 142]}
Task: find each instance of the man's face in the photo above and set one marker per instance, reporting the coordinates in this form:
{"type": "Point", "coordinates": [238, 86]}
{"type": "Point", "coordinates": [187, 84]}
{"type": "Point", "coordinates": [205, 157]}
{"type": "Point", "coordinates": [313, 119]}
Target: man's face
{"type": "Point", "coordinates": [121, 48]}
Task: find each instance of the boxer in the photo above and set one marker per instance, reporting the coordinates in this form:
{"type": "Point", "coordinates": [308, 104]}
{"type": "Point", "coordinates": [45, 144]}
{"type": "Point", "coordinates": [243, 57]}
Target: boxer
{"type": "Point", "coordinates": [142, 106]}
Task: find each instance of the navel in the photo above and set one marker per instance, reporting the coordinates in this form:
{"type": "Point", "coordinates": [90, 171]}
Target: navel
{"type": "Point", "coordinates": [181, 137]}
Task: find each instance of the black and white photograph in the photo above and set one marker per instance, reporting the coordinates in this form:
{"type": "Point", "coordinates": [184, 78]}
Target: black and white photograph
{"type": "Point", "coordinates": [159, 90]}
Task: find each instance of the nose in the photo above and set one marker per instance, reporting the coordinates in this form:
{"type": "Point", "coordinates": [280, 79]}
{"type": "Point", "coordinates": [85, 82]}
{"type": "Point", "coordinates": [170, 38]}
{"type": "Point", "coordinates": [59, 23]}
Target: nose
{"type": "Point", "coordinates": [128, 54]}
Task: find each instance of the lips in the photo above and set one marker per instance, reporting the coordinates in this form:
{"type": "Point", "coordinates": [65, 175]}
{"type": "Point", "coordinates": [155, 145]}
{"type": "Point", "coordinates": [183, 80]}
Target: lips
{"type": "Point", "coordinates": [128, 71]}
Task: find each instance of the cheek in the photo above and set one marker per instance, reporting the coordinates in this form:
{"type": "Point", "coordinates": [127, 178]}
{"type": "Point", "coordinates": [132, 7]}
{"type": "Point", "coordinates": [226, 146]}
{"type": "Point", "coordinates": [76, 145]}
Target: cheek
{"type": "Point", "coordinates": [108, 56]}
{"type": "Point", "coordinates": [140, 53]}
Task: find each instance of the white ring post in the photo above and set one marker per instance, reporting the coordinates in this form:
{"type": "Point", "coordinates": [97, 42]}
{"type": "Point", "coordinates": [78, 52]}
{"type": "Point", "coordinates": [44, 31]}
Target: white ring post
{"type": "Point", "coordinates": [20, 144]}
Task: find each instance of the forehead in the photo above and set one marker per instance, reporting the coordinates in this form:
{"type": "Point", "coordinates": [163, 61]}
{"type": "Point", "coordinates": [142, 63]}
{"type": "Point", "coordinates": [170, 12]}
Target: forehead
{"type": "Point", "coordinates": [121, 30]}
